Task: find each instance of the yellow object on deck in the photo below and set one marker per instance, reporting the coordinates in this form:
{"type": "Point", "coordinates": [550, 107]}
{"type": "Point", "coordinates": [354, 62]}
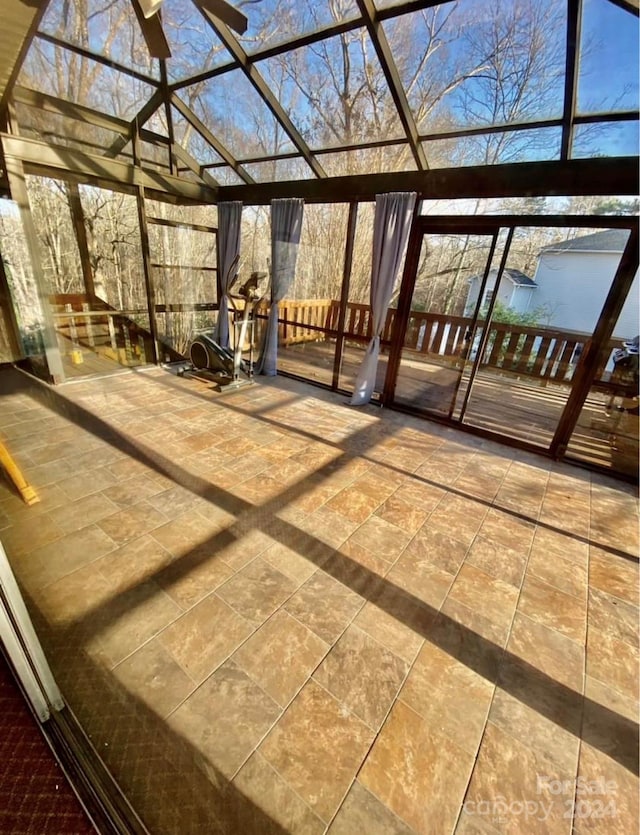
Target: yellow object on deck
{"type": "Point", "coordinates": [26, 491]}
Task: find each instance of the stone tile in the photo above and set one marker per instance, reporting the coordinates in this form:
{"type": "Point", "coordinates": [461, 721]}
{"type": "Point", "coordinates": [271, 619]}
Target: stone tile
{"type": "Point", "coordinates": [83, 484]}
{"type": "Point", "coordinates": [466, 646]}
{"type": "Point", "coordinates": [133, 490]}
{"type": "Point", "coordinates": [382, 538]}
{"type": "Point", "coordinates": [507, 775]}
{"type": "Point", "coordinates": [74, 597]}
{"type": "Point", "coordinates": [51, 562]}
{"type": "Point", "coordinates": [458, 516]}
{"type": "Point", "coordinates": [549, 651]}
{"type": "Point", "coordinates": [615, 616]}
{"type": "Point", "coordinates": [281, 656]}
{"type": "Point", "coordinates": [477, 622]}
{"type": "Point", "coordinates": [439, 549]}
{"type": "Point", "coordinates": [86, 511]}
{"type": "Point", "coordinates": [496, 559]}
{"type": "Point", "coordinates": [356, 567]}
{"type": "Point", "coordinates": [289, 561]}
{"type": "Point", "coordinates": [353, 504]}
{"type": "Point", "coordinates": [318, 747]}
{"type": "Point", "coordinates": [614, 809]}
{"type": "Point", "coordinates": [533, 728]}
{"type": "Point", "coordinates": [257, 591]}
{"type": "Point", "coordinates": [395, 621]}
{"type": "Point", "coordinates": [263, 787]}
{"type": "Point", "coordinates": [402, 514]}
{"type": "Point", "coordinates": [328, 527]}
{"type": "Point", "coordinates": [489, 597]}
{"type": "Point", "coordinates": [613, 575]}
{"type": "Point", "coordinates": [613, 662]}
{"type": "Point", "coordinates": [324, 605]}
{"type": "Point", "coordinates": [610, 724]}
{"type": "Point", "coordinates": [205, 636]}
{"type": "Point", "coordinates": [190, 578]}
{"type": "Point", "coordinates": [189, 532]}
{"type": "Point", "coordinates": [421, 579]}
{"type": "Point", "coordinates": [565, 575]}
{"type": "Point", "coordinates": [417, 772]}
{"type": "Point", "coordinates": [363, 675]}
{"type": "Point", "coordinates": [153, 676]}
{"type": "Point", "coordinates": [453, 698]}
{"type": "Point", "coordinates": [553, 608]}
{"type": "Point", "coordinates": [556, 543]}
{"type": "Point", "coordinates": [131, 523]}
{"type": "Point", "coordinates": [128, 619]}
{"type": "Point", "coordinates": [422, 495]}
{"type": "Point", "coordinates": [225, 719]}
{"type": "Point", "coordinates": [362, 812]}
{"type": "Point", "coordinates": [174, 501]}
{"type": "Point", "coordinates": [508, 529]}
{"type": "Point", "coordinates": [26, 537]}
{"type": "Point", "coordinates": [136, 561]}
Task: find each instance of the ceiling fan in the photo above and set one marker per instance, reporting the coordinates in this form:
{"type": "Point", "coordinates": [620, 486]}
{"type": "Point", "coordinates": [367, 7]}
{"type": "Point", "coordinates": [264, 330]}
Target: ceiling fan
{"type": "Point", "coordinates": [151, 25]}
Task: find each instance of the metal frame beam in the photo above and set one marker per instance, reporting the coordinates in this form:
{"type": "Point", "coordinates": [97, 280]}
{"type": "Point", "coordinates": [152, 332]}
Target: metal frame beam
{"type": "Point", "coordinates": [525, 179]}
{"type": "Point", "coordinates": [574, 18]}
{"type": "Point", "coordinates": [258, 82]}
{"type": "Point", "coordinates": [67, 163]}
{"type": "Point", "coordinates": [145, 113]}
{"type": "Point", "coordinates": [100, 59]}
{"type": "Point", "coordinates": [394, 82]}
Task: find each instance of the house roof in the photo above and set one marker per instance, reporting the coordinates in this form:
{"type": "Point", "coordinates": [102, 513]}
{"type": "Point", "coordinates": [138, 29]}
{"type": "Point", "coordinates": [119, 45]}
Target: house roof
{"type": "Point", "coordinates": [609, 240]}
{"type": "Point", "coordinates": [516, 277]}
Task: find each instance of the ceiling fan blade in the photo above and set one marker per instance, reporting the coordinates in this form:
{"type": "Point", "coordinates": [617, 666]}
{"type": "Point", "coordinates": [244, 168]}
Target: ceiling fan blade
{"type": "Point", "coordinates": [152, 32]}
{"type": "Point", "coordinates": [226, 13]}
{"type": "Point", "coordinates": [150, 7]}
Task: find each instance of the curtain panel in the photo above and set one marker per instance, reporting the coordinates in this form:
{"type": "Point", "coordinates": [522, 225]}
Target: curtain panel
{"type": "Point", "coordinates": [286, 226]}
{"type": "Point", "coordinates": [229, 231]}
{"type": "Point", "coordinates": [390, 234]}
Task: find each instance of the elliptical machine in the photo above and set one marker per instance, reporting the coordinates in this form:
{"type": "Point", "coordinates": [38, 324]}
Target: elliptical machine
{"type": "Point", "coordinates": [226, 365]}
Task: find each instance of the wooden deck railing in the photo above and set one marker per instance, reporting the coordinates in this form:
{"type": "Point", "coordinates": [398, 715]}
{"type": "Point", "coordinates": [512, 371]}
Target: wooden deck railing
{"type": "Point", "coordinates": [544, 353]}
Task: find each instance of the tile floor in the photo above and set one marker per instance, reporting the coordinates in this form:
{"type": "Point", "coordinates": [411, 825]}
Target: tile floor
{"type": "Point", "coordinates": [275, 613]}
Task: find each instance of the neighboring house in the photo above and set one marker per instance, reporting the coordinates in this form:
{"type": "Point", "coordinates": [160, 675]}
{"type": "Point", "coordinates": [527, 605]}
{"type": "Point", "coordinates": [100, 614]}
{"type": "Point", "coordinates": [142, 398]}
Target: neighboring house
{"type": "Point", "coordinates": [573, 279]}
{"type": "Point", "coordinates": [515, 291]}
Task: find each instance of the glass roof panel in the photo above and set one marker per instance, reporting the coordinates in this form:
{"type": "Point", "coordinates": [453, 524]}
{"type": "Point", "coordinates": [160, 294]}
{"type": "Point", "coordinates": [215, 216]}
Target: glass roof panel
{"type": "Point", "coordinates": [273, 22]}
{"type": "Point", "coordinates": [606, 139]}
{"type": "Point", "coordinates": [279, 170]}
{"type": "Point", "coordinates": [225, 175]}
{"type": "Point", "coordinates": [609, 58]}
{"type": "Point", "coordinates": [494, 148]}
{"type": "Point", "coordinates": [60, 130]}
{"type": "Point", "coordinates": [106, 27]}
{"type": "Point", "coordinates": [481, 62]}
{"type": "Point", "coordinates": [232, 108]}
{"type": "Point", "coordinates": [335, 91]}
{"type": "Point", "coordinates": [195, 47]}
{"type": "Point", "coordinates": [61, 73]}
{"type": "Point", "coordinates": [185, 135]}
{"type": "Point", "coordinates": [368, 161]}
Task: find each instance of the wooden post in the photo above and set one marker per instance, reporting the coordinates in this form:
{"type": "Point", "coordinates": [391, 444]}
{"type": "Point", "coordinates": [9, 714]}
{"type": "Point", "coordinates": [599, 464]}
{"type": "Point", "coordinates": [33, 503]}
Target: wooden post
{"type": "Point", "coordinates": [80, 230]}
{"type": "Point", "coordinates": [146, 259]}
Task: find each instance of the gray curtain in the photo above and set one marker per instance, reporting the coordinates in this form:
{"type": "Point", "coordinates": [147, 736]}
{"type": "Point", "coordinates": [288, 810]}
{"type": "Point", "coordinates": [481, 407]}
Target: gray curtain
{"type": "Point", "coordinates": [229, 227]}
{"type": "Point", "coordinates": [391, 230]}
{"type": "Point", "coordinates": [286, 225]}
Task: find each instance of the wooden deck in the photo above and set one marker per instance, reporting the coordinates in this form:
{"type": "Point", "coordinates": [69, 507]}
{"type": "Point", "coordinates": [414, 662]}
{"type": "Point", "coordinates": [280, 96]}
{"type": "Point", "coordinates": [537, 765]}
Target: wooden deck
{"type": "Point", "coordinates": [520, 408]}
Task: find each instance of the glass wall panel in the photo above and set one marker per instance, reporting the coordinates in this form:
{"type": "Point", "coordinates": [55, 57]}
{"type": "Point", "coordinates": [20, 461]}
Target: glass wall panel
{"type": "Point", "coordinates": [184, 275]}
{"type": "Point", "coordinates": [309, 314]}
{"type": "Point", "coordinates": [357, 315]}
{"type": "Point", "coordinates": [546, 307]}
{"type": "Point", "coordinates": [606, 139]}
{"type": "Point", "coordinates": [606, 433]}
{"type": "Point", "coordinates": [22, 287]}
{"type": "Point", "coordinates": [440, 340]}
